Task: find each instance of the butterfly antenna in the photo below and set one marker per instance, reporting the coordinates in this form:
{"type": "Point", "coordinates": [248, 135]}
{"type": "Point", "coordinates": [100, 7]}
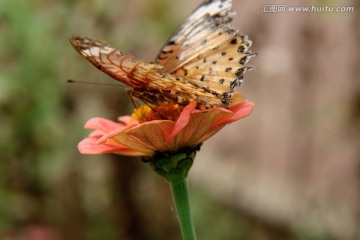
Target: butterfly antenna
{"type": "Point", "coordinates": [95, 83]}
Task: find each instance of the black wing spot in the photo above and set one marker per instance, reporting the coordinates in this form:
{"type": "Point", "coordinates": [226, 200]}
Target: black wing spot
{"type": "Point", "coordinates": [241, 49]}
{"type": "Point", "coordinates": [231, 31]}
{"type": "Point", "coordinates": [223, 53]}
{"type": "Point", "coordinates": [234, 41]}
{"type": "Point", "coordinates": [239, 72]}
{"type": "Point", "coordinates": [221, 81]}
{"type": "Point", "coordinates": [202, 78]}
{"type": "Point", "coordinates": [228, 69]}
{"type": "Point", "coordinates": [166, 91]}
{"type": "Point", "coordinates": [243, 60]}
{"type": "Point", "coordinates": [231, 58]}
{"type": "Point", "coordinates": [186, 72]}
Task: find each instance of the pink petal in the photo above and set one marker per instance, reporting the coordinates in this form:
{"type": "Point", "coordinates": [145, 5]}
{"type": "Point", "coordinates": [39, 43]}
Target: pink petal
{"type": "Point", "coordinates": [101, 124]}
{"type": "Point", "coordinates": [114, 132]}
{"type": "Point", "coordinates": [89, 146]}
{"type": "Point", "coordinates": [239, 111]}
{"type": "Point", "coordinates": [97, 133]}
{"type": "Point", "coordinates": [126, 119]}
{"type": "Point", "coordinates": [182, 121]}
{"type": "Point", "coordinates": [200, 126]}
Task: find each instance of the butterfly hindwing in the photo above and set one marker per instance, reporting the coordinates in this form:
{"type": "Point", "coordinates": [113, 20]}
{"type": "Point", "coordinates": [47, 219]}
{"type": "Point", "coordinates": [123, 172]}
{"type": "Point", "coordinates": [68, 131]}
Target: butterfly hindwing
{"type": "Point", "coordinates": [221, 68]}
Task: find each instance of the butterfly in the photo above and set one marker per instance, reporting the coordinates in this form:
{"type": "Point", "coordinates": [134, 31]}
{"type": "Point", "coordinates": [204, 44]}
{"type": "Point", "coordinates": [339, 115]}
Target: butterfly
{"type": "Point", "coordinates": [203, 61]}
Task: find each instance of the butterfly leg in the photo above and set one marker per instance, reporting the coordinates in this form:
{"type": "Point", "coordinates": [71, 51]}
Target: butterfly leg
{"type": "Point", "coordinates": [134, 100]}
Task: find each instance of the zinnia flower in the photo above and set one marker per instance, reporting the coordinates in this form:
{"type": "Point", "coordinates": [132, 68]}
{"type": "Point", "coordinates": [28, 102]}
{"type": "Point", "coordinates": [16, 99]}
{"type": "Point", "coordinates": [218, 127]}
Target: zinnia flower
{"type": "Point", "coordinates": [164, 128]}
{"type": "Point", "coordinates": [168, 137]}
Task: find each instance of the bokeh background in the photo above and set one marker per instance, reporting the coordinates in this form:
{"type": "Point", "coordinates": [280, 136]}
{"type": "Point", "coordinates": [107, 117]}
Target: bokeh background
{"type": "Point", "coordinates": [289, 171]}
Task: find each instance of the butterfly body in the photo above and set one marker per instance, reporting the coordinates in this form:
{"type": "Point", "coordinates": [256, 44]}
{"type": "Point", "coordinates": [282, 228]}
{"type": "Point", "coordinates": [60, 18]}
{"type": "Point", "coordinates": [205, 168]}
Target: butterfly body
{"type": "Point", "coordinates": [203, 61]}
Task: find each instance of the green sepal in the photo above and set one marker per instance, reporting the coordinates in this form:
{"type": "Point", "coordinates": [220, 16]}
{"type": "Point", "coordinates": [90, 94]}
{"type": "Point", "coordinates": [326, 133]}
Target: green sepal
{"type": "Point", "coordinates": [173, 165]}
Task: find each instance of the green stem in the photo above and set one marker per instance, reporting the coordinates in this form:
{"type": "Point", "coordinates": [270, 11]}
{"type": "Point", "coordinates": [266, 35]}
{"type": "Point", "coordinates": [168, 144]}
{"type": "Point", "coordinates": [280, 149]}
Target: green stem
{"type": "Point", "coordinates": [180, 193]}
{"type": "Point", "coordinates": [174, 167]}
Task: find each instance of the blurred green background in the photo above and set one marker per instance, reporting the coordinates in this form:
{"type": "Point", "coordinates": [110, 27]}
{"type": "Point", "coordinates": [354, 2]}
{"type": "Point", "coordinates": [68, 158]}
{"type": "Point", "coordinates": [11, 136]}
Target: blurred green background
{"type": "Point", "coordinates": [290, 171]}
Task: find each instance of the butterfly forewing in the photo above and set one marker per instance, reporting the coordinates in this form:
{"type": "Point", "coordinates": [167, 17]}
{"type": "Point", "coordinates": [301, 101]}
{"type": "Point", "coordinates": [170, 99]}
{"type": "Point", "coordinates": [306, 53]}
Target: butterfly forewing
{"type": "Point", "coordinates": [207, 51]}
{"type": "Point", "coordinates": [106, 58]}
{"type": "Point", "coordinates": [202, 30]}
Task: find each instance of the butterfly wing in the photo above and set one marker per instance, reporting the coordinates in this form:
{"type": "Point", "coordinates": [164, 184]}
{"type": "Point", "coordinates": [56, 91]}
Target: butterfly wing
{"type": "Point", "coordinates": [146, 81]}
{"type": "Point", "coordinates": [221, 68]}
{"type": "Point", "coordinates": [207, 51]}
{"type": "Point", "coordinates": [199, 32]}
{"type": "Point", "coordinates": [107, 59]}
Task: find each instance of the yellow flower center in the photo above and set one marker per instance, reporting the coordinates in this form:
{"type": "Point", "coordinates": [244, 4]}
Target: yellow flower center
{"type": "Point", "coordinates": [165, 111]}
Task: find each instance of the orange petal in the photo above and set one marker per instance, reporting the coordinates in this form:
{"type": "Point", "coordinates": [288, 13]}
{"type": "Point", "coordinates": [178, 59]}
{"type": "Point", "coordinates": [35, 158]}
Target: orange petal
{"type": "Point", "coordinates": [149, 135]}
{"type": "Point", "coordinates": [237, 98]}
